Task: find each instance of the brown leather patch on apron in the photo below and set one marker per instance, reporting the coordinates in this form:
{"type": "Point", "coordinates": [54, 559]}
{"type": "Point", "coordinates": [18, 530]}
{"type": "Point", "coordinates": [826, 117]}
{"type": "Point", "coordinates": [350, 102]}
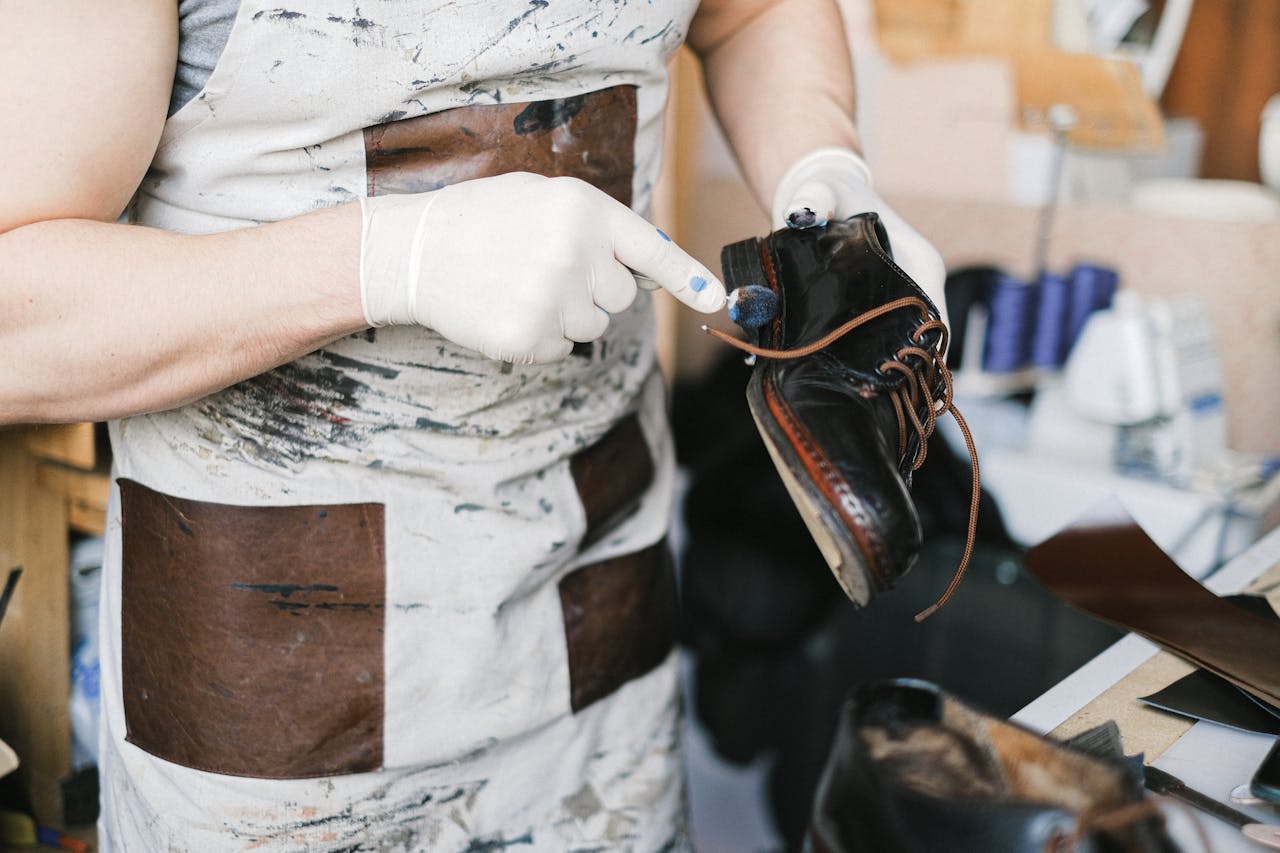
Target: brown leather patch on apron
{"type": "Point", "coordinates": [611, 476]}
{"type": "Point", "coordinates": [591, 137]}
{"type": "Point", "coordinates": [620, 621]}
{"type": "Point", "coordinates": [252, 636]}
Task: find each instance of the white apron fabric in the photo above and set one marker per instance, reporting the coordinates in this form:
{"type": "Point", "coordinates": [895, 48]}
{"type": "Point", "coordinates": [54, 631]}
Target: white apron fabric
{"type": "Point", "coordinates": [481, 750]}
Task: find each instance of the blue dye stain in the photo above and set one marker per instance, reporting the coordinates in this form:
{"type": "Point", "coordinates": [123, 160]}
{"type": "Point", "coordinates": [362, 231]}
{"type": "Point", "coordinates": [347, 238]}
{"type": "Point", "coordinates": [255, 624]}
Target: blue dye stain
{"type": "Point", "coordinates": [752, 305]}
{"type": "Point", "coordinates": [663, 234]}
{"type": "Point", "coordinates": [698, 283]}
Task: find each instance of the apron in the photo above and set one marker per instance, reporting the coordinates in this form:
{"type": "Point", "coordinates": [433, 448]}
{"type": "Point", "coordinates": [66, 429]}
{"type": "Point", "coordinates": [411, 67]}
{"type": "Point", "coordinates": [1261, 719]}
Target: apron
{"type": "Point", "coordinates": [393, 595]}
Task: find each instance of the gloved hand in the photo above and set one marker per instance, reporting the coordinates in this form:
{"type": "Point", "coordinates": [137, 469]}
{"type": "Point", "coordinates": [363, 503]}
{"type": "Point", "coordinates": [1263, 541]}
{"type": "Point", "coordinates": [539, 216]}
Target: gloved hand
{"type": "Point", "coordinates": [835, 183]}
{"type": "Point", "coordinates": [517, 266]}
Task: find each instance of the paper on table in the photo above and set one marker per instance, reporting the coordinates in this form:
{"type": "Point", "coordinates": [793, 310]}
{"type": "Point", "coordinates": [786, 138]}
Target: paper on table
{"type": "Point", "coordinates": [1215, 759]}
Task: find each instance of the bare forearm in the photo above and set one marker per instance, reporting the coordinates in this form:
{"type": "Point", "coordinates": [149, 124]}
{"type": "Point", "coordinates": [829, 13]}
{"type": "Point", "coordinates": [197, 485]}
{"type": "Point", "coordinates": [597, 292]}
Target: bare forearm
{"type": "Point", "coordinates": [781, 84]}
{"type": "Point", "coordinates": [103, 320]}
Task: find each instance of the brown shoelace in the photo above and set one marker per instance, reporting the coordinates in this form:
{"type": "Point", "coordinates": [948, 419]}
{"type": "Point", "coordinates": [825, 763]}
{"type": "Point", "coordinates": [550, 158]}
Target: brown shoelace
{"type": "Point", "coordinates": [907, 399]}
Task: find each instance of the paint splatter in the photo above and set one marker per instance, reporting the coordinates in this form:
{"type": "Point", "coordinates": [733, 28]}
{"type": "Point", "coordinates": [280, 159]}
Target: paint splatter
{"type": "Point", "coordinates": [698, 283]}
{"type": "Point", "coordinates": [542, 116]}
{"type": "Point", "coordinates": [284, 590]}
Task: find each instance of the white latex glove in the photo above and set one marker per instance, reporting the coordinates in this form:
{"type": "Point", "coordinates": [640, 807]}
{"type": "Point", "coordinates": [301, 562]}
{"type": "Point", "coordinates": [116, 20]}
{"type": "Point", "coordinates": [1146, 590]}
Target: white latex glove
{"type": "Point", "coordinates": [517, 266]}
{"type": "Point", "coordinates": [835, 183]}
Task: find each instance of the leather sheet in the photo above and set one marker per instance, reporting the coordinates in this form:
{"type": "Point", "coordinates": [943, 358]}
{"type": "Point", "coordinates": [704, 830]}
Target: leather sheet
{"type": "Point", "coordinates": [620, 621]}
{"type": "Point", "coordinates": [252, 636]}
{"type": "Point", "coordinates": [1105, 565]}
{"type": "Point", "coordinates": [611, 477]}
{"type": "Point", "coordinates": [591, 137]}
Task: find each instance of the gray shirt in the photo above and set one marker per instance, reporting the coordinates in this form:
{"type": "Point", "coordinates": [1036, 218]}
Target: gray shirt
{"type": "Point", "coordinates": [203, 29]}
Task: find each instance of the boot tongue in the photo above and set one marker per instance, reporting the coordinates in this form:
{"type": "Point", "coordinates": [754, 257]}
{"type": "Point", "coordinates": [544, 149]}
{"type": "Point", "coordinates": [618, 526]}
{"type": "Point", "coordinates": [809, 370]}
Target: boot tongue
{"type": "Point", "coordinates": [831, 274]}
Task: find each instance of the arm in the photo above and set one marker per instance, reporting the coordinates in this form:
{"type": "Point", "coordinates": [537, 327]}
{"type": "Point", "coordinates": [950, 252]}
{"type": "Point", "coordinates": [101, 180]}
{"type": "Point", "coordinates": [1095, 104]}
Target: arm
{"type": "Point", "coordinates": [99, 319]}
{"type": "Point", "coordinates": [781, 82]}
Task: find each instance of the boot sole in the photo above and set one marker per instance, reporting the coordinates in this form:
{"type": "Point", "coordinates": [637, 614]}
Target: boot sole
{"type": "Point", "coordinates": [828, 529]}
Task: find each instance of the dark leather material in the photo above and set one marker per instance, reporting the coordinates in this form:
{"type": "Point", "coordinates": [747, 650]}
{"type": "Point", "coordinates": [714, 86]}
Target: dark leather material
{"type": "Point", "coordinates": [1205, 696]}
{"type": "Point", "coordinates": [612, 476]}
{"type": "Point", "coordinates": [620, 621]}
{"type": "Point", "coordinates": [1105, 565]}
{"type": "Point", "coordinates": [863, 806]}
{"type": "Point", "coordinates": [828, 415]}
{"type": "Point", "coordinates": [591, 137]}
{"type": "Point", "coordinates": [252, 636]}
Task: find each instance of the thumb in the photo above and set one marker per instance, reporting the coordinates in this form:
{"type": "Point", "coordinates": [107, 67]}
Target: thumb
{"type": "Point", "coordinates": [813, 203]}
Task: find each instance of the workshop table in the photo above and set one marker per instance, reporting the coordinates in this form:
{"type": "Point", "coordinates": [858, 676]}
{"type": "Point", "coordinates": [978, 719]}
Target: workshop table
{"type": "Point", "coordinates": [1108, 687]}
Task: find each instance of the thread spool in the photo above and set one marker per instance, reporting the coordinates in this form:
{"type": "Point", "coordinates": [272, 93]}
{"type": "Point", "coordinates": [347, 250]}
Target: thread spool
{"type": "Point", "coordinates": [1093, 288]}
{"type": "Point", "coordinates": [1049, 337]}
{"type": "Point", "coordinates": [1010, 324]}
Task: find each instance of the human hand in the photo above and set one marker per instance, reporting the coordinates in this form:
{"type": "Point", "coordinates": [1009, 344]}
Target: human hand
{"type": "Point", "coordinates": [835, 183]}
{"type": "Point", "coordinates": [517, 266]}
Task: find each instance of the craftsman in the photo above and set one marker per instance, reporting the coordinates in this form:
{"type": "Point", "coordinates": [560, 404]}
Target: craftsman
{"type": "Point", "coordinates": [385, 563]}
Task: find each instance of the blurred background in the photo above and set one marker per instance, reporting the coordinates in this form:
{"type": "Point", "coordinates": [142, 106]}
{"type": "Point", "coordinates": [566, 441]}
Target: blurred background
{"type": "Point", "coordinates": [1101, 177]}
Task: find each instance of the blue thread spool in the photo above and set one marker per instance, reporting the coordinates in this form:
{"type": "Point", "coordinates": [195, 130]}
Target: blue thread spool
{"type": "Point", "coordinates": [1049, 340]}
{"type": "Point", "coordinates": [1011, 321]}
{"type": "Point", "coordinates": [1092, 289]}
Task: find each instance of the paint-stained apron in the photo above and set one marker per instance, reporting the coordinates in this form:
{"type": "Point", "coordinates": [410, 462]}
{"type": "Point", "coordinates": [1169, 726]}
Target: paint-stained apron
{"type": "Point", "coordinates": [394, 596]}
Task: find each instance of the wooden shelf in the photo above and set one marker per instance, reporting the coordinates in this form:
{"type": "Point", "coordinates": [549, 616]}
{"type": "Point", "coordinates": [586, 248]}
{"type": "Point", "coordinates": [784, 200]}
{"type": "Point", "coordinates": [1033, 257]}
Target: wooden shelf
{"type": "Point", "coordinates": [53, 481]}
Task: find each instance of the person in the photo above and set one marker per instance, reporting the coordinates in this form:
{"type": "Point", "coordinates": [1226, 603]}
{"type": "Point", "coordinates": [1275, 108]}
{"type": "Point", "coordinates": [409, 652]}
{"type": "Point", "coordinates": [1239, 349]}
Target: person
{"type": "Point", "coordinates": [391, 469]}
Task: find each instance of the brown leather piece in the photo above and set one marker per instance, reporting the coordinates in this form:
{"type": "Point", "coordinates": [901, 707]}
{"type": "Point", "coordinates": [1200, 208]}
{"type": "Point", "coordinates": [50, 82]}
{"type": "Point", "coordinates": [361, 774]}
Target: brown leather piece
{"type": "Point", "coordinates": [1107, 566]}
{"type": "Point", "coordinates": [611, 476]}
{"type": "Point", "coordinates": [252, 636]}
{"type": "Point", "coordinates": [591, 137]}
{"type": "Point", "coordinates": [621, 620]}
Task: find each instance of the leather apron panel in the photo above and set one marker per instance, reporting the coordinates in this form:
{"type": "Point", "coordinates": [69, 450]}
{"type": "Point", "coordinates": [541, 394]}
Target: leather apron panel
{"type": "Point", "coordinates": [611, 477]}
{"type": "Point", "coordinates": [621, 621]}
{"type": "Point", "coordinates": [252, 636]}
{"type": "Point", "coordinates": [591, 137]}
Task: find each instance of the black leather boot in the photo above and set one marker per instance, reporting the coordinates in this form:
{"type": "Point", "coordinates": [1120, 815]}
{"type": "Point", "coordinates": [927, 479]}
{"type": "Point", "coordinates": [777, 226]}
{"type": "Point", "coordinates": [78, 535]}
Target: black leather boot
{"type": "Point", "coordinates": [914, 770]}
{"type": "Point", "coordinates": [847, 387]}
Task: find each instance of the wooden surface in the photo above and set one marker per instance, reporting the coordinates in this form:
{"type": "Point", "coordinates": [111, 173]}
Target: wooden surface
{"type": "Point", "coordinates": [52, 482]}
{"type": "Point", "coordinates": [70, 444]}
{"type": "Point", "coordinates": [1112, 110]}
{"type": "Point", "coordinates": [35, 665]}
{"type": "Point", "coordinates": [85, 493]}
{"type": "Point", "coordinates": [1227, 68]}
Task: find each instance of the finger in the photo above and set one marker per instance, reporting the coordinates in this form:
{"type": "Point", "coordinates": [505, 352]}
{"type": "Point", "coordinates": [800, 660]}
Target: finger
{"type": "Point", "coordinates": [584, 322]}
{"type": "Point", "coordinates": [812, 204]}
{"type": "Point", "coordinates": [613, 287]}
{"type": "Point", "coordinates": [544, 352]}
{"type": "Point", "coordinates": [649, 252]}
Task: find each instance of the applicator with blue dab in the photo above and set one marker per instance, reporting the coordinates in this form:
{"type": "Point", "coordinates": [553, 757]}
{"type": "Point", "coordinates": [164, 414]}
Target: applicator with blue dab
{"type": "Point", "coordinates": [752, 305]}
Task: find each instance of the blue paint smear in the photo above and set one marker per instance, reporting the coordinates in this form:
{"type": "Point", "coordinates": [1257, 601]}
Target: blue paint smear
{"type": "Point", "coordinates": [663, 234]}
{"type": "Point", "coordinates": [698, 283]}
{"type": "Point", "coordinates": [284, 590]}
{"type": "Point", "coordinates": [1206, 403]}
